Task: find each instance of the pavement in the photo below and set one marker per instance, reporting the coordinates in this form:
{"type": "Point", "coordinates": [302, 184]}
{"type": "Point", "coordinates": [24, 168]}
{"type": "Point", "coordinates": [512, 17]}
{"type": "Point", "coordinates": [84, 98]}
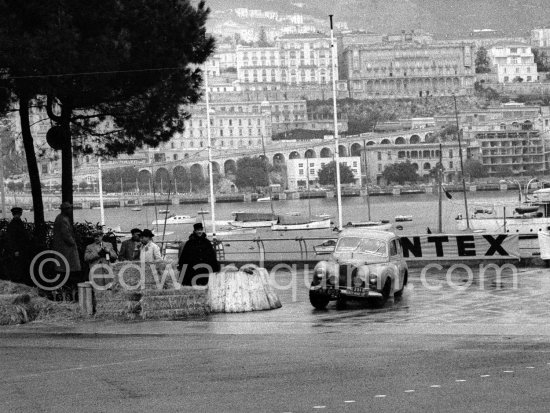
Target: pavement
{"type": "Point", "coordinates": [454, 343]}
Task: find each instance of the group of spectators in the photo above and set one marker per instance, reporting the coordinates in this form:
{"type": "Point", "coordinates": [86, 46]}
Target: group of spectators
{"type": "Point", "coordinates": [197, 256]}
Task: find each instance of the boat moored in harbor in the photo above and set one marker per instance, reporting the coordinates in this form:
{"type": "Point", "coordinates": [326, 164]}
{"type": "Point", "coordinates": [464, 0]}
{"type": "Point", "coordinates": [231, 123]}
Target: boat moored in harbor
{"type": "Point", "coordinates": [176, 220]}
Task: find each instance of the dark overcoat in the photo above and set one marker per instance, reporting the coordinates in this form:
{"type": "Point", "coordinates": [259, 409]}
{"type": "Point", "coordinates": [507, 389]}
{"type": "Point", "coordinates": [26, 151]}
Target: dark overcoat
{"type": "Point", "coordinates": [198, 250]}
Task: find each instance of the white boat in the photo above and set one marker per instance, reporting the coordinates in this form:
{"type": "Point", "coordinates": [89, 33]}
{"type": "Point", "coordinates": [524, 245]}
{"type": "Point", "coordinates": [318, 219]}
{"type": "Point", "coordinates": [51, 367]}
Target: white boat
{"type": "Point", "coordinates": [526, 218]}
{"type": "Point", "coordinates": [265, 199]}
{"type": "Point", "coordinates": [286, 223]}
{"type": "Point", "coordinates": [136, 209]}
{"type": "Point", "coordinates": [325, 216]}
{"type": "Point", "coordinates": [253, 220]}
{"type": "Point", "coordinates": [377, 225]}
{"type": "Point", "coordinates": [164, 211]}
{"type": "Point", "coordinates": [227, 232]}
{"type": "Point", "coordinates": [176, 220]}
{"type": "Point", "coordinates": [403, 218]}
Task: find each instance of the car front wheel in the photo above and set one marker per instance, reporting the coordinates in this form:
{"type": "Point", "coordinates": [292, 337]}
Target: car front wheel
{"type": "Point", "coordinates": [318, 299]}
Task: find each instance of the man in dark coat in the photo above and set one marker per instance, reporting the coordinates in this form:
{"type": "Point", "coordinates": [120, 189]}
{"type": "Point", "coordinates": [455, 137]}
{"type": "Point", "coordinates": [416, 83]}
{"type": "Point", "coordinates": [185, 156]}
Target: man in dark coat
{"type": "Point", "coordinates": [64, 243]}
{"type": "Point", "coordinates": [198, 251]}
{"type": "Point", "coordinates": [17, 247]}
{"type": "Point", "coordinates": [129, 250]}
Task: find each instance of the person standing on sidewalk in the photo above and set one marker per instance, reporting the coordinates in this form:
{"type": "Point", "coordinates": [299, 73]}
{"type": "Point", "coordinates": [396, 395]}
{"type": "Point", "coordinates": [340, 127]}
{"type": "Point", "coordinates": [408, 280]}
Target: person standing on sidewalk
{"type": "Point", "coordinates": [65, 244]}
{"type": "Point", "coordinates": [198, 258]}
{"type": "Point", "coordinates": [129, 250]}
{"type": "Point", "coordinates": [17, 247]}
{"type": "Point", "coordinates": [98, 255]}
{"type": "Point", "coordinates": [150, 252]}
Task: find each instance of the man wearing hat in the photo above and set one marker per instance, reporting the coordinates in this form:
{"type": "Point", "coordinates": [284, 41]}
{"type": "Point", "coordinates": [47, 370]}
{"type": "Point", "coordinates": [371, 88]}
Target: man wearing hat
{"type": "Point", "coordinates": [64, 243]}
{"type": "Point", "coordinates": [99, 254]}
{"type": "Point", "coordinates": [150, 252]}
{"type": "Point", "coordinates": [198, 258]}
{"type": "Point", "coordinates": [129, 250]}
{"type": "Point", "coordinates": [17, 247]}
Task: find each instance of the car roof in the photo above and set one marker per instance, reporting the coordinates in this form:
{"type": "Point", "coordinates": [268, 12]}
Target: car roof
{"type": "Point", "coordinates": [367, 233]}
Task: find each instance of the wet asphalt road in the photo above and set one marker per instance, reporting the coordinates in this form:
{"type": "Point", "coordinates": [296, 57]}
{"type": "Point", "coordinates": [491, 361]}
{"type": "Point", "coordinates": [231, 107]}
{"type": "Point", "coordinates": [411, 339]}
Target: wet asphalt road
{"type": "Point", "coordinates": [447, 350]}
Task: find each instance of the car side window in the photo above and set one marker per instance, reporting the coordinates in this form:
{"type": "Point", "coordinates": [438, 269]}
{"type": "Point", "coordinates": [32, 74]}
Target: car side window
{"type": "Point", "coordinates": [393, 248]}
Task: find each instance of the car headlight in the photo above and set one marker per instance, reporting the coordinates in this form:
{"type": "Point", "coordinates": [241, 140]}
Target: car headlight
{"type": "Point", "coordinates": [319, 272]}
{"type": "Point", "coordinates": [373, 280]}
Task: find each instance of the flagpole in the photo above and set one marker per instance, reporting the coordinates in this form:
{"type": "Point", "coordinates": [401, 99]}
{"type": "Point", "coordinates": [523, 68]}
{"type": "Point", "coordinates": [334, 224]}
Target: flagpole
{"type": "Point", "coordinates": [210, 167]}
{"type": "Point", "coordinates": [336, 146]}
{"type": "Point", "coordinates": [100, 188]}
{"type": "Point", "coordinates": [461, 165]}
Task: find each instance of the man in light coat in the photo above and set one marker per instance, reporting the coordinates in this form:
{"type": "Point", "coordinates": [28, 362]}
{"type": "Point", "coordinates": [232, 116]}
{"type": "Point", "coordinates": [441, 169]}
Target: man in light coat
{"type": "Point", "coordinates": [150, 252]}
{"type": "Point", "coordinates": [65, 244]}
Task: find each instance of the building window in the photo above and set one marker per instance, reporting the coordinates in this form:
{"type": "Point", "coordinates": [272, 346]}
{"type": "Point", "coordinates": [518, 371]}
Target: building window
{"type": "Point", "coordinates": [379, 156]}
{"type": "Point", "coordinates": [451, 165]}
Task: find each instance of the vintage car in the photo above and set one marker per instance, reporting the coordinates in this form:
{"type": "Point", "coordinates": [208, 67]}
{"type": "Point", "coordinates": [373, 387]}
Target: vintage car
{"type": "Point", "coordinates": [365, 264]}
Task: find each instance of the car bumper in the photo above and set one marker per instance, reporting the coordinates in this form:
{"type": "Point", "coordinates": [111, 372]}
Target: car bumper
{"type": "Point", "coordinates": [335, 293]}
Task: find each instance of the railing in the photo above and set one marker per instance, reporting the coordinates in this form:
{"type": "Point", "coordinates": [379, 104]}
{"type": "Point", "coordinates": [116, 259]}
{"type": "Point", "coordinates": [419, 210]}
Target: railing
{"type": "Point", "coordinates": [267, 249]}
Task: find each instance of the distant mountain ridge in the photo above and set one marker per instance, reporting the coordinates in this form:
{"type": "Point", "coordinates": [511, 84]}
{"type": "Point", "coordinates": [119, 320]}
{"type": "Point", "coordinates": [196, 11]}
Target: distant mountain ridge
{"type": "Point", "coordinates": [443, 17]}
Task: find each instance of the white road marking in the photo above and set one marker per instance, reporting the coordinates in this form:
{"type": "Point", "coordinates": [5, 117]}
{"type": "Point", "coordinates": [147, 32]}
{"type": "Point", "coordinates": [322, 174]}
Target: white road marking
{"type": "Point", "coordinates": [529, 367]}
{"type": "Point", "coordinates": [349, 401]}
{"type": "Point", "coordinates": [460, 380]}
{"type": "Point", "coordinates": [409, 391]}
{"type": "Point", "coordinates": [319, 407]}
{"type": "Point", "coordinates": [435, 386]}
{"type": "Point", "coordinates": [380, 396]}
{"type": "Point", "coordinates": [485, 375]}
{"type": "Point", "coordinates": [508, 371]}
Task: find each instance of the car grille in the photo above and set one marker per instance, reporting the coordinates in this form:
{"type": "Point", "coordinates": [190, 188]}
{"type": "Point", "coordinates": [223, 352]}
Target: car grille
{"type": "Point", "coordinates": [346, 273]}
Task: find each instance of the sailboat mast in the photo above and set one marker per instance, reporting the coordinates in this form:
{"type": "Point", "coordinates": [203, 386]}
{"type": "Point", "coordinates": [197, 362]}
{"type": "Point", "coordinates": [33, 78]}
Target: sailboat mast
{"type": "Point", "coordinates": [366, 178]}
{"type": "Point", "coordinates": [308, 191]}
{"type": "Point", "coordinates": [267, 177]}
{"type": "Point", "coordinates": [440, 190]}
{"type": "Point", "coordinates": [100, 189]}
{"type": "Point", "coordinates": [336, 146]}
{"type": "Point", "coordinates": [461, 165]}
{"type": "Point", "coordinates": [210, 168]}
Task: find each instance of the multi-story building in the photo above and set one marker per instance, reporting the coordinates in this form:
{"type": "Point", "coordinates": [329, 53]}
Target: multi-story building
{"type": "Point", "coordinates": [299, 170]}
{"type": "Point", "coordinates": [509, 139]}
{"type": "Point", "coordinates": [408, 69]}
{"type": "Point", "coordinates": [227, 57]}
{"type": "Point", "coordinates": [424, 156]}
{"type": "Point", "coordinates": [513, 62]}
{"type": "Point", "coordinates": [294, 60]}
{"type": "Point", "coordinates": [232, 126]}
{"type": "Point", "coordinates": [540, 37]}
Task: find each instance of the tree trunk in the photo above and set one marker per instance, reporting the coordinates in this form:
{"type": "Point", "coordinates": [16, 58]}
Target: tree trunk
{"type": "Point", "coordinates": [67, 158]}
{"type": "Point", "coordinates": [32, 165]}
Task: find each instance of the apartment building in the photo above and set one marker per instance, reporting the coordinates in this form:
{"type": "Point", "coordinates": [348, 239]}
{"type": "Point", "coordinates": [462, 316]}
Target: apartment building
{"type": "Point", "coordinates": [513, 62]}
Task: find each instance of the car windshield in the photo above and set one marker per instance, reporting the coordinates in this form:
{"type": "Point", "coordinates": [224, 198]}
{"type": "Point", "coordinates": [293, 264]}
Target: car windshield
{"type": "Point", "coordinates": [361, 245]}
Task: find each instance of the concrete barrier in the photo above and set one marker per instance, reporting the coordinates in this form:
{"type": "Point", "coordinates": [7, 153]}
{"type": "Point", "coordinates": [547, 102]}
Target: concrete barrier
{"type": "Point", "coordinates": [235, 291]}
